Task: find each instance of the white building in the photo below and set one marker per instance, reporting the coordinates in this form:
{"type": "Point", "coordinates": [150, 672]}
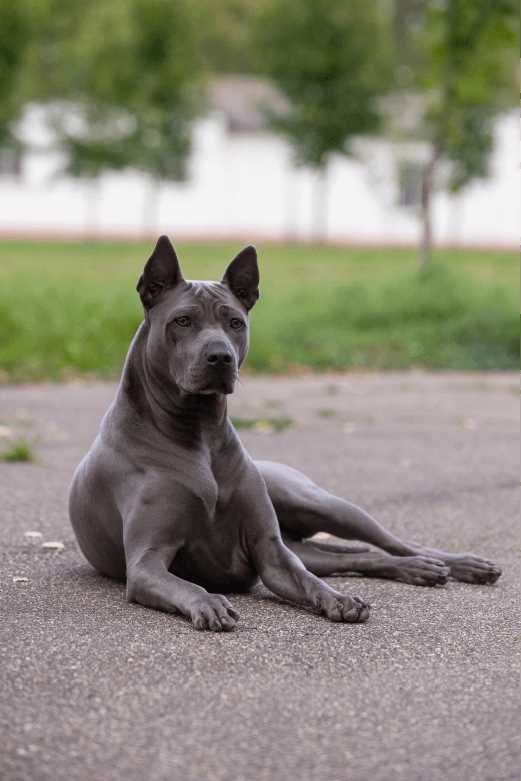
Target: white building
{"type": "Point", "coordinates": [243, 184]}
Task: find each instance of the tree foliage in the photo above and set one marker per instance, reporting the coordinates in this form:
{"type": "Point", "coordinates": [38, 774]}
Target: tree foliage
{"type": "Point", "coordinates": [466, 58]}
{"type": "Point", "coordinates": [15, 38]}
{"type": "Point", "coordinates": [131, 72]}
{"type": "Point", "coordinates": [470, 64]}
{"type": "Point", "coordinates": [331, 61]}
{"type": "Point", "coordinates": [228, 33]}
{"type": "Point", "coordinates": [407, 19]}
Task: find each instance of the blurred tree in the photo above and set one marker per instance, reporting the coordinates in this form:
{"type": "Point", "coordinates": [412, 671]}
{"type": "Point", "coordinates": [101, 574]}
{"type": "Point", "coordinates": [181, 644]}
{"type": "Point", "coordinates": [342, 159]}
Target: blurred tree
{"type": "Point", "coordinates": [228, 42]}
{"type": "Point", "coordinates": [331, 61]}
{"type": "Point", "coordinates": [407, 21]}
{"type": "Point", "coordinates": [468, 74]}
{"type": "Point", "coordinates": [15, 38]}
{"type": "Point", "coordinates": [130, 74]}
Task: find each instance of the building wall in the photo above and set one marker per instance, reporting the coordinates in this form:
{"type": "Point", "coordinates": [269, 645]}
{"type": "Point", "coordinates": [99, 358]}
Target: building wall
{"type": "Point", "coordinates": [245, 185]}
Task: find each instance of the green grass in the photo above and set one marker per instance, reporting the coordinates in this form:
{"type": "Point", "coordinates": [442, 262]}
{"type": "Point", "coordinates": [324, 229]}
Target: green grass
{"type": "Point", "coordinates": [19, 450]}
{"type": "Point", "coordinates": [71, 308]}
{"type": "Point", "coordinates": [326, 412]}
{"type": "Point", "coordinates": [263, 424]}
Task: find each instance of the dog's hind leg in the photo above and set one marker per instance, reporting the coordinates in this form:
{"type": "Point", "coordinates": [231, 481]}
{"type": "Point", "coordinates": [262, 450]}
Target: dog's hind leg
{"type": "Point", "coordinates": [303, 509]}
{"type": "Point", "coordinates": [323, 560]}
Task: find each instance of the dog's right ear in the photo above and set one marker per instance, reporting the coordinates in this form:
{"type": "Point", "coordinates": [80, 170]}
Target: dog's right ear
{"type": "Point", "coordinates": [162, 272]}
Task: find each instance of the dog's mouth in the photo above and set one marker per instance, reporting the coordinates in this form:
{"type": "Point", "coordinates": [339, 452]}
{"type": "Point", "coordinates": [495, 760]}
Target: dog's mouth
{"type": "Point", "coordinates": [221, 383]}
{"type": "Point", "coordinates": [224, 385]}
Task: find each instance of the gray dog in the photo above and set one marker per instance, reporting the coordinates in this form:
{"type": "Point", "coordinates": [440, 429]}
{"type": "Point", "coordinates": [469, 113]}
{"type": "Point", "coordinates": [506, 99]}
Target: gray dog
{"type": "Point", "coordinates": [168, 498]}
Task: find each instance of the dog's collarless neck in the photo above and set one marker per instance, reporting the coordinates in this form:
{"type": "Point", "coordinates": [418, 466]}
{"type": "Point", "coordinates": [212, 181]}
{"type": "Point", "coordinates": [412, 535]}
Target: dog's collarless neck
{"type": "Point", "coordinates": [191, 420]}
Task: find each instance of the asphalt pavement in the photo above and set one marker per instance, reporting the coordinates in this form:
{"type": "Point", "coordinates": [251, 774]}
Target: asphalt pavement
{"type": "Point", "coordinates": [429, 690]}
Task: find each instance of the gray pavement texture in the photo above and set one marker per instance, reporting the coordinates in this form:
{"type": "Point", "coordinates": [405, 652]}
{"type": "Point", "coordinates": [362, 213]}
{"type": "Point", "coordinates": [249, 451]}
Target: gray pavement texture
{"type": "Point", "coordinates": [95, 688]}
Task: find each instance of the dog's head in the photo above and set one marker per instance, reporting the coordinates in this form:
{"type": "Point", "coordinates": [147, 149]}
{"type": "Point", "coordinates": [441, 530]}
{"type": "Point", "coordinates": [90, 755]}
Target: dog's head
{"type": "Point", "coordinates": [198, 331]}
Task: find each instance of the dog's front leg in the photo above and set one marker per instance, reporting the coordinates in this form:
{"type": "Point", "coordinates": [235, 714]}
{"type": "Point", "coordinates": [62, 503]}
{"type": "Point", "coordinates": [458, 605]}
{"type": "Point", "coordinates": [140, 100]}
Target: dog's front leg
{"type": "Point", "coordinates": [151, 584]}
{"type": "Point", "coordinates": [284, 574]}
{"type": "Point", "coordinates": [151, 539]}
{"type": "Point", "coordinates": [278, 567]}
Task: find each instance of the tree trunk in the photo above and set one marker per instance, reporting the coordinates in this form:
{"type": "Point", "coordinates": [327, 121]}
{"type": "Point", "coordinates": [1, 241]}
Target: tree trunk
{"type": "Point", "coordinates": [427, 186]}
{"type": "Point", "coordinates": [320, 205]}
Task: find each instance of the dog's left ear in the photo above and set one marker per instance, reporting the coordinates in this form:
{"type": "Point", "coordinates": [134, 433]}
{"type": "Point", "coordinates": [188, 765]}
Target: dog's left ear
{"type": "Point", "coordinates": [242, 276]}
{"type": "Point", "coordinates": [162, 271]}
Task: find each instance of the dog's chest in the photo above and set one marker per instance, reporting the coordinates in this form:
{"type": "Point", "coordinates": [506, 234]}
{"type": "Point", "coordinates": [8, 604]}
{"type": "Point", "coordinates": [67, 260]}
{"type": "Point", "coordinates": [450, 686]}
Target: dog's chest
{"type": "Point", "coordinates": [216, 557]}
{"type": "Point", "coordinates": [215, 552]}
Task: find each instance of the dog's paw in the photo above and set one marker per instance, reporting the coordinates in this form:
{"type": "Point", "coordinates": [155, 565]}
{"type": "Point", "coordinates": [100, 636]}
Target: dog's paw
{"type": "Point", "coordinates": [420, 570]}
{"type": "Point", "coordinates": [472, 569]}
{"type": "Point", "coordinates": [343, 607]}
{"type": "Point", "coordinates": [213, 612]}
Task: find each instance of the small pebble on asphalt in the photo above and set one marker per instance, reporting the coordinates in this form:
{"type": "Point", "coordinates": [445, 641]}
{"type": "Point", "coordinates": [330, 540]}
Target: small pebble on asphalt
{"type": "Point", "coordinates": [53, 545]}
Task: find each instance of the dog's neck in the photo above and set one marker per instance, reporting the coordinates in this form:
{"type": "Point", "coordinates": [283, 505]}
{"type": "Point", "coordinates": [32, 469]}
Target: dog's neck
{"type": "Point", "coordinates": [185, 418]}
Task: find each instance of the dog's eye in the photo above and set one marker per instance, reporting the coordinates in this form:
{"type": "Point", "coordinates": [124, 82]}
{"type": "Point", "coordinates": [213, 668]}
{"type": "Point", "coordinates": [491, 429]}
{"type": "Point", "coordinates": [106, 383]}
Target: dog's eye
{"type": "Point", "coordinates": [236, 323]}
{"type": "Point", "coordinates": [184, 321]}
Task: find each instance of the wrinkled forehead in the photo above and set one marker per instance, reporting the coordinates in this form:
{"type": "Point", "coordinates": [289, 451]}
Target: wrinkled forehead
{"type": "Point", "coordinates": [201, 294]}
{"type": "Point", "coordinates": [207, 292]}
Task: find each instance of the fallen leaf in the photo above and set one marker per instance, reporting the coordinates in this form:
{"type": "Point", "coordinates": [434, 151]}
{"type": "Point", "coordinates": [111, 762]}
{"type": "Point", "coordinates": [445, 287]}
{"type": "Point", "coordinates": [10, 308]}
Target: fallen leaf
{"type": "Point", "coordinates": [53, 545]}
{"type": "Point", "coordinates": [263, 427]}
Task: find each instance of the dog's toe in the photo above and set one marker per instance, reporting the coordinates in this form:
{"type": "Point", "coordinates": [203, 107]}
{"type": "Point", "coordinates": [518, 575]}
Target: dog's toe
{"type": "Point", "coordinates": [360, 612]}
{"type": "Point", "coordinates": [215, 613]}
{"type": "Point", "coordinates": [200, 623]}
{"type": "Point", "coordinates": [349, 609]}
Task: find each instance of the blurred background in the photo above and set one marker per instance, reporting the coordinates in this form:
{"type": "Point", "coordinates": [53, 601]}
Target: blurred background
{"type": "Point", "coordinates": [368, 149]}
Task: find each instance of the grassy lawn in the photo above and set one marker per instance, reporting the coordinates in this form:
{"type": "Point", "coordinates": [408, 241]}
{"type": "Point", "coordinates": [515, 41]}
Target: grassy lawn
{"type": "Point", "coordinates": [71, 308]}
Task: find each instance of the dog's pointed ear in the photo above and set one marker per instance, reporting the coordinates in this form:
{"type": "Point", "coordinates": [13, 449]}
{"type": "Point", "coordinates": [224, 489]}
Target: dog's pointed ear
{"type": "Point", "coordinates": [242, 276]}
{"type": "Point", "coordinates": [162, 272]}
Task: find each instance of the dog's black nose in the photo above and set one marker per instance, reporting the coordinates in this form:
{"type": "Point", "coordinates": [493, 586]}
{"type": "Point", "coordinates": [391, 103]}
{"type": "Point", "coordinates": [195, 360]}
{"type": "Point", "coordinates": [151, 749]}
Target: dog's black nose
{"type": "Point", "coordinates": [219, 358]}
